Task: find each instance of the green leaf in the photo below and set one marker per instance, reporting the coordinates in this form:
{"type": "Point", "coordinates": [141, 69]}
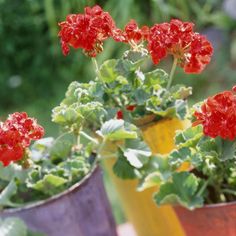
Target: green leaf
{"type": "Point", "coordinates": [13, 171]}
{"type": "Point", "coordinates": [108, 72]}
{"type": "Point", "coordinates": [61, 147]}
{"type": "Point", "coordinates": [182, 190]}
{"type": "Point", "coordinates": [117, 130]}
{"type": "Point", "coordinates": [136, 152]}
{"type": "Point", "coordinates": [150, 180]}
{"type": "Point", "coordinates": [40, 148]}
{"type": "Point", "coordinates": [12, 227]}
{"type": "Point", "coordinates": [65, 115]}
{"type": "Point", "coordinates": [92, 111]}
{"type": "Point", "coordinates": [226, 149]}
{"type": "Point", "coordinates": [123, 169]}
{"type": "Point", "coordinates": [136, 57]}
{"type": "Point", "coordinates": [177, 157]}
{"type": "Point", "coordinates": [189, 137]}
{"type": "Point", "coordinates": [141, 96]}
{"type": "Point", "coordinates": [181, 109]}
{"type": "Point", "coordinates": [48, 183]}
{"type": "Point", "coordinates": [156, 171]}
{"type": "Point", "coordinates": [156, 77]}
{"type": "Point", "coordinates": [7, 193]}
{"type": "Point", "coordinates": [180, 91]}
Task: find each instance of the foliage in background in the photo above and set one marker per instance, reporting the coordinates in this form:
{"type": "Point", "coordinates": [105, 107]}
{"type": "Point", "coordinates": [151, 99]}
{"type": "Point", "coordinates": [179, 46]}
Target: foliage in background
{"type": "Point", "coordinates": [30, 51]}
{"type": "Point", "coordinates": [34, 75]}
{"type": "Point", "coordinates": [55, 165]}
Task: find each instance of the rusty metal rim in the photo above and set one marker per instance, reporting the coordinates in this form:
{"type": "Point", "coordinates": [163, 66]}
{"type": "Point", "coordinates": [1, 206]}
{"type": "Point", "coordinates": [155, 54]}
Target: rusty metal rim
{"type": "Point", "coordinates": [72, 189]}
{"type": "Point", "coordinates": [210, 206]}
{"type": "Point", "coordinates": [223, 204]}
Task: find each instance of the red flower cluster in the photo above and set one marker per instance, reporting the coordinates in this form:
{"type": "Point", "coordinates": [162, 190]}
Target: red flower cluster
{"type": "Point", "coordinates": [218, 116]}
{"type": "Point", "coordinates": [177, 38]}
{"type": "Point", "coordinates": [119, 114]}
{"type": "Point", "coordinates": [131, 33]}
{"type": "Point", "coordinates": [86, 31]}
{"type": "Point", "coordinates": [89, 30]}
{"type": "Point", "coordinates": [16, 133]}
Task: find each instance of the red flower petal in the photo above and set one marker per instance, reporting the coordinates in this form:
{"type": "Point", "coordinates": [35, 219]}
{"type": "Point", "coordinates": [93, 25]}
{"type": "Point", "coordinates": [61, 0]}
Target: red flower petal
{"type": "Point", "coordinates": [86, 31]}
{"type": "Point", "coordinates": [177, 38]}
{"type": "Point", "coordinates": [218, 116]}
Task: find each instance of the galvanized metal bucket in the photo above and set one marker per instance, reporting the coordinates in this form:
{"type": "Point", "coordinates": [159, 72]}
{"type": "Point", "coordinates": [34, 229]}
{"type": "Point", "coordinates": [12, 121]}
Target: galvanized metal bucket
{"type": "Point", "coordinates": [82, 210]}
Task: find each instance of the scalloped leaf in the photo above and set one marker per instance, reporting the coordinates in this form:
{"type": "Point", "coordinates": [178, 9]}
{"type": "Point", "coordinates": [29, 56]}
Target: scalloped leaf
{"type": "Point", "coordinates": [155, 172]}
{"type": "Point", "coordinates": [123, 169]}
{"type": "Point", "coordinates": [182, 190]}
{"type": "Point", "coordinates": [108, 72]}
{"type": "Point", "coordinates": [61, 147]}
{"type": "Point", "coordinates": [136, 152]}
{"type": "Point", "coordinates": [177, 157]}
{"type": "Point", "coordinates": [117, 130]}
{"type": "Point", "coordinates": [180, 91]}
{"type": "Point", "coordinates": [156, 77]}
{"type": "Point", "coordinates": [7, 193]}
{"type": "Point", "coordinates": [189, 137]}
{"type": "Point", "coordinates": [49, 183]}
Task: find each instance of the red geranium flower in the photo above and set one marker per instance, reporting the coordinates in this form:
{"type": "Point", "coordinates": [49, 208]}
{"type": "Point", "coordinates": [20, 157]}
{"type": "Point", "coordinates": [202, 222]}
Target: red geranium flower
{"type": "Point", "coordinates": [131, 33]}
{"type": "Point", "coordinates": [218, 116]}
{"type": "Point", "coordinates": [119, 114]}
{"type": "Point", "coordinates": [16, 133]}
{"type": "Point", "coordinates": [177, 38]}
{"type": "Point", "coordinates": [86, 31]}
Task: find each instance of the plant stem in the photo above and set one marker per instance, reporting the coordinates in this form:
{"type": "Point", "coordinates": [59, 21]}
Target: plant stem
{"type": "Point", "coordinates": [99, 151]}
{"type": "Point", "coordinates": [203, 187]}
{"type": "Point", "coordinates": [229, 191]}
{"type": "Point", "coordinates": [172, 73]}
{"type": "Point", "coordinates": [89, 137]}
{"type": "Point", "coordinates": [95, 64]}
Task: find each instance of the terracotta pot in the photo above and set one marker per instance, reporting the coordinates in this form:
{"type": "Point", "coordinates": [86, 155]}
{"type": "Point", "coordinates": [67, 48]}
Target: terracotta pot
{"type": "Point", "coordinates": [82, 210]}
{"type": "Point", "coordinates": [210, 220]}
{"type": "Point", "coordinates": [139, 207]}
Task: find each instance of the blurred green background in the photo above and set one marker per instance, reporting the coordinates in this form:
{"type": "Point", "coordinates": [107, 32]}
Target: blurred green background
{"type": "Point", "coordinates": [34, 74]}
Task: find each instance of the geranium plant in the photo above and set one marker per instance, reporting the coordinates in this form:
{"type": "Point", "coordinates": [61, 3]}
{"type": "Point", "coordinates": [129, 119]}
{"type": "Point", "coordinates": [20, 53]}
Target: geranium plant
{"type": "Point", "coordinates": [209, 147]}
{"type": "Point", "coordinates": [125, 95]}
{"type": "Point", "coordinates": [37, 172]}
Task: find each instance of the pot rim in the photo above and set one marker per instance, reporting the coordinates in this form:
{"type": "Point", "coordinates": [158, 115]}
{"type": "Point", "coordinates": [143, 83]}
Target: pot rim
{"type": "Point", "coordinates": [150, 119]}
{"type": "Point", "coordinates": [210, 206]}
{"type": "Point", "coordinates": [71, 189]}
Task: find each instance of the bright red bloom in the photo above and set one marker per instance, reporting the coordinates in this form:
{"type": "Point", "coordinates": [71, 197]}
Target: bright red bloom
{"type": "Point", "coordinates": [16, 133]}
{"type": "Point", "coordinates": [86, 31]}
{"type": "Point", "coordinates": [119, 114]}
{"type": "Point", "coordinates": [131, 33]}
{"type": "Point", "coordinates": [218, 116]}
{"type": "Point", "coordinates": [177, 38]}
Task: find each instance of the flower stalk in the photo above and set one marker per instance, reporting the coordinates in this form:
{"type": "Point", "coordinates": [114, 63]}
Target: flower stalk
{"type": "Point", "coordinates": [172, 72]}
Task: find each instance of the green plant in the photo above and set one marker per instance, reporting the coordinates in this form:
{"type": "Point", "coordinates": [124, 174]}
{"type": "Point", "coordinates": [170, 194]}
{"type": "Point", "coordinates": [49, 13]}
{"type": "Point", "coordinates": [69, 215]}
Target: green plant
{"type": "Point", "coordinates": [49, 167]}
{"type": "Point", "coordinates": [209, 149]}
{"type": "Point", "coordinates": [15, 227]}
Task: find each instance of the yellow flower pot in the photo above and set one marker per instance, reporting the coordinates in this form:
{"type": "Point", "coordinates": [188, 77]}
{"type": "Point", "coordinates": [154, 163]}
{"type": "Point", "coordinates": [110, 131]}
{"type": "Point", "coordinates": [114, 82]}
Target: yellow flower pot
{"type": "Point", "coordinates": [139, 207]}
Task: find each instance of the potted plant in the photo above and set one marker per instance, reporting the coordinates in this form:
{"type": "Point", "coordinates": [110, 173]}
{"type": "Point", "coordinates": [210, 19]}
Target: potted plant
{"type": "Point", "coordinates": [54, 186]}
{"type": "Point", "coordinates": [130, 93]}
{"type": "Point", "coordinates": [204, 197]}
